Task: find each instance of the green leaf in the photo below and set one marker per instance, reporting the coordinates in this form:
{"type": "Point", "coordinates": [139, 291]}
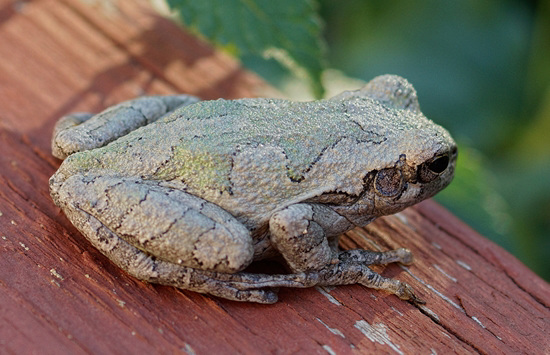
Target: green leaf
{"type": "Point", "coordinates": [288, 31]}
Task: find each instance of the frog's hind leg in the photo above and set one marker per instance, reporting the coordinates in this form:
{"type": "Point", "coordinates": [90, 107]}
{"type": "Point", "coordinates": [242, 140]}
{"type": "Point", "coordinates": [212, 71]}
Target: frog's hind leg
{"type": "Point", "coordinates": [84, 131]}
{"type": "Point", "coordinates": [161, 235]}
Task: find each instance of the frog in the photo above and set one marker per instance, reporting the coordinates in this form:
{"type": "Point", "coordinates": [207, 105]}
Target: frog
{"type": "Point", "coordinates": [190, 193]}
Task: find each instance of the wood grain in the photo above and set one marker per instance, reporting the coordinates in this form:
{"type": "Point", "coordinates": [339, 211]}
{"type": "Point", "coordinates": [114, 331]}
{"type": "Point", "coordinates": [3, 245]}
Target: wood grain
{"type": "Point", "coordinates": [59, 295]}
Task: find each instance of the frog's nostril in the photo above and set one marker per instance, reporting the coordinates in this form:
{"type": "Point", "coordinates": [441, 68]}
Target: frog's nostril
{"type": "Point", "coordinates": [454, 152]}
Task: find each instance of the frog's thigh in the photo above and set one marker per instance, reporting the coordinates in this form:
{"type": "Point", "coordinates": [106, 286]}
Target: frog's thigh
{"type": "Point", "coordinates": [83, 131]}
{"type": "Point", "coordinates": [299, 232]}
{"type": "Point", "coordinates": [166, 223]}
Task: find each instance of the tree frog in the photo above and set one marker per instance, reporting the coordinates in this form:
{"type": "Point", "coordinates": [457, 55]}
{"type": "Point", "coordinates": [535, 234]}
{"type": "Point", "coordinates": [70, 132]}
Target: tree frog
{"type": "Point", "coordinates": [189, 193]}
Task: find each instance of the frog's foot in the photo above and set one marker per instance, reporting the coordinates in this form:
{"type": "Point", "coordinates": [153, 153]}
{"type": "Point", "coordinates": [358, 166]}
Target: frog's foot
{"type": "Point", "coordinates": [84, 131]}
{"type": "Point", "coordinates": [360, 256]}
{"type": "Point", "coordinates": [349, 272]}
{"type": "Point", "coordinates": [371, 279]}
{"type": "Point", "coordinates": [344, 273]}
{"type": "Point", "coordinates": [406, 292]}
{"type": "Point", "coordinates": [236, 287]}
{"type": "Point", "coordinates": [353, 265]}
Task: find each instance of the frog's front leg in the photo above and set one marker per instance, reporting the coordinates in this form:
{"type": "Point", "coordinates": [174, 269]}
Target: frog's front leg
{"type": "Point", "coordinates": [84, 131]}
{"type": "Point", "coordinates": [306, 236]}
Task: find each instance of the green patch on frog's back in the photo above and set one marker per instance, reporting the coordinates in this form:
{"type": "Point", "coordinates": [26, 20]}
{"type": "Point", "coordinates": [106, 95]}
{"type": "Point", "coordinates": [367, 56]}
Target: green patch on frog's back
{"type": "Point", "coordinates": [199, 170]}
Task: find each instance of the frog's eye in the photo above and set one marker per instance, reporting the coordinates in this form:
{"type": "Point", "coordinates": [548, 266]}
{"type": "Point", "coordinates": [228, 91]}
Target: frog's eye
{"type": "Point", "coordinates": [432, 168]}
{"type": "Point", "coordinates": [388, 182]}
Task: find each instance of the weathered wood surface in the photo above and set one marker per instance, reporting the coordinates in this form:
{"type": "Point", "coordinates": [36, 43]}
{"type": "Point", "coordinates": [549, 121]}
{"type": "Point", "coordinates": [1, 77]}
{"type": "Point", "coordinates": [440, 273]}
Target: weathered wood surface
{"type": "Point", "coordinates": [59, 295]}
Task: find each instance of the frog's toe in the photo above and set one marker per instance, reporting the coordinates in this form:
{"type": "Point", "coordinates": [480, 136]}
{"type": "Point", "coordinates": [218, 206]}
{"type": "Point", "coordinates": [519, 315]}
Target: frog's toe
{"type": "Point", "coordinates": [265, 296]}
{"type": "Point", "coordinates": [406, 292]}
{"type": "Point", "coordinates": [62, 147]}
{"type": "Point", "coordinates": [405, 256]}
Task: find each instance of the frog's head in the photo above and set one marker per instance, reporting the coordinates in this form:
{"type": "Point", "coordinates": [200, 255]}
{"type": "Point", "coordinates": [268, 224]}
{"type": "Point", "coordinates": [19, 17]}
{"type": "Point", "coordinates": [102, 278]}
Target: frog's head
{"type": "Point", "coordinates": [416, 160]}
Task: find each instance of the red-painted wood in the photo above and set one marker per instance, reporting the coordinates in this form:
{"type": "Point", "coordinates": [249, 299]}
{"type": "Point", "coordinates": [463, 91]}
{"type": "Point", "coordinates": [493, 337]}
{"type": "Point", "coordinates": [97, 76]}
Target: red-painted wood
{"type": "Point", "coordinates": [59, 295]}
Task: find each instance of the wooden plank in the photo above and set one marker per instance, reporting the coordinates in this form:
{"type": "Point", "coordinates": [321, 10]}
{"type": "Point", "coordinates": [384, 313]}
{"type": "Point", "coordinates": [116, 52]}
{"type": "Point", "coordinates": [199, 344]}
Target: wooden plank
{"type": "Point", "coordinates": [59, 295]}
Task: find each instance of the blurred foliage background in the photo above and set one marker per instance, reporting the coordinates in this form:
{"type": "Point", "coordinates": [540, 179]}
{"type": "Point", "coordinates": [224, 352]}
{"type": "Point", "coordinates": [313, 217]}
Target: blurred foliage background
{"type": "Point", "coordinates": [481, 69]}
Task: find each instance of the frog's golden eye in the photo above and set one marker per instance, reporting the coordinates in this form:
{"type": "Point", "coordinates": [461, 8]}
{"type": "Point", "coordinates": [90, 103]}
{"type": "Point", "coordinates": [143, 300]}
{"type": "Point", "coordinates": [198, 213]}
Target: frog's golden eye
{"type": "Point", "coordinates": [432, 168]}
{"type": "Point", "coordinates": [388, 182]}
